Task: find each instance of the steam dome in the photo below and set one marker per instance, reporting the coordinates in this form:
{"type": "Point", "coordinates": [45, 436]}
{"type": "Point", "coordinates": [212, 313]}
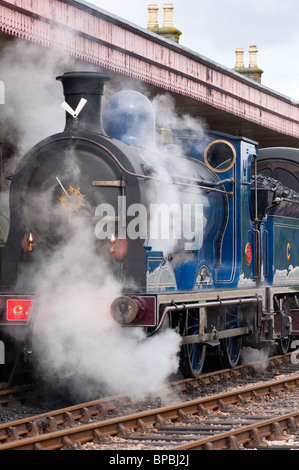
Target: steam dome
{"type": "Point", "coordinates": [129, 116]}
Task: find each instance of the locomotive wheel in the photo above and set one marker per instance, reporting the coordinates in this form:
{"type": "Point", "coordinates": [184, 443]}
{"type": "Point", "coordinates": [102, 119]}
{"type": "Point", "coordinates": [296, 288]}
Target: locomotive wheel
{"type": "Point", "coordinates": [284, 342]}
{"type": "Point", "coordinates": [283, 345]}
{"type": "Point", "coordinates": [193, 355]}
{"type": "Point", "coordinates": [231, 347]}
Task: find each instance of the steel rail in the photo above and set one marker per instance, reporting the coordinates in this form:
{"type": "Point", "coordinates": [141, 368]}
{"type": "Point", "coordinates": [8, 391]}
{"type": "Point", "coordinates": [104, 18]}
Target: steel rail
{"type": "Point", "coordinates": [96, 431]}
{"type": "Point", "coordinates": [101, 407]}
{"type": "Point", "coordinates": [18, 392]}
{"type": "Point", "coordinates": [247, 436]}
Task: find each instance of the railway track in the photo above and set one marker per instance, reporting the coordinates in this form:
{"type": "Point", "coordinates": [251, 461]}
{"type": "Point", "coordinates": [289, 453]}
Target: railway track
{"type": "Point", "coordinates": [19, 393]}
{"type": "Point", "coordinates": [239, 418]}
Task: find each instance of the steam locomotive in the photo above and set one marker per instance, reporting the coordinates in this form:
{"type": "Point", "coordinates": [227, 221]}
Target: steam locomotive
{"type": "Point", "coordinates": [195, 243]}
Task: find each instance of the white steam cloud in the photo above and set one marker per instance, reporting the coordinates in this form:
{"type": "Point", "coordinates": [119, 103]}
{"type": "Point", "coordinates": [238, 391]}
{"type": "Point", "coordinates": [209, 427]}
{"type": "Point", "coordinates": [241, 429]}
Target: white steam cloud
{"type": "Point", "coordinates": [32, 93]}
{"type": "Point", "coordinates": [168, 117]}
{"type": "Point", "coordinates": [32, 102]}
{"type": "Point", "coordinates": [259, 359]}
{"type": "Point", "coordinates": [77, 341]}
{"type": "Point", "coordinates": [169, 159]}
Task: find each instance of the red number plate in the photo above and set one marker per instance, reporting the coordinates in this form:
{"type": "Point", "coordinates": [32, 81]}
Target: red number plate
{"type": "Point", "coordinates": [19, 309]}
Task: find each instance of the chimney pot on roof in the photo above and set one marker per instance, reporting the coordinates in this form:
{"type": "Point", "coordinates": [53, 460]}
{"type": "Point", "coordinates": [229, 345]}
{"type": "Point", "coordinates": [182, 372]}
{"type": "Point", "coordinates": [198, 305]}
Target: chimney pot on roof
{"type": "Point", "coordinates": [252, 56]}
{"type": "Point", "coordinates": [252, 71]}
{"type": "Point", "coordinates": [239, 58]}
{"type": "Point", "coordinates": [153, 16]}
{"type": "Point", "coordinates": [168, 15]}
{"type": "Point", "coordinates": [168, 30]}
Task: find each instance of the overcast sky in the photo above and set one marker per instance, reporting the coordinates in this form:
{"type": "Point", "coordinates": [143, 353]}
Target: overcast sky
{"type": "Point", "coordinates": [215, 28]}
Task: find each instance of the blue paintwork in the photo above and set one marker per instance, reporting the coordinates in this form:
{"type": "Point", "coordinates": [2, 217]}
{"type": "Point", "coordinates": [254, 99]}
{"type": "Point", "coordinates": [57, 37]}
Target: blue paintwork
{"type": "Point", "coordinates": [281, 266]}
{"type": "Point", "coordinates": [227, 254]}
{"type": "Point", "coordinates": [225, 265]}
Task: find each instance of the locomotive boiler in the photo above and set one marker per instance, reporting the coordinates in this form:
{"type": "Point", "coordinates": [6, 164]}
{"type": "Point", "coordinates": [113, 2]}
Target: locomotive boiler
{"type": "Point", "coordinates": [193, 241]}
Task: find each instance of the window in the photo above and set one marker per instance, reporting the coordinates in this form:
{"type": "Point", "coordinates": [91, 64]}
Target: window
{"type": "Point", "coordinates": [220, 156]}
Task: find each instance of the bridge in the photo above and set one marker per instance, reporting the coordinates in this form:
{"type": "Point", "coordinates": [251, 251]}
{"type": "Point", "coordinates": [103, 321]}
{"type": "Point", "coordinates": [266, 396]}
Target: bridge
{"type": "Point", "coordinates": [226, 100]}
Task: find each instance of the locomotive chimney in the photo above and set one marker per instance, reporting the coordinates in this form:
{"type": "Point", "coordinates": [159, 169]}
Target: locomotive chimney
{"type": "Point", "coordinates": [90, 87]}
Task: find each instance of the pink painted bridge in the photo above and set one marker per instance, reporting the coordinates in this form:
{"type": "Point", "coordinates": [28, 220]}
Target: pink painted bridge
{"type": "Point", "coordinates": [228, 101]}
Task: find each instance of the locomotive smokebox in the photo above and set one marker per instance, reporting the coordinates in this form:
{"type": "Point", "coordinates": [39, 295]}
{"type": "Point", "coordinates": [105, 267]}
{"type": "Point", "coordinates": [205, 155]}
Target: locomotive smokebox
{"type": "Point", "coordinates": [80, 86]}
